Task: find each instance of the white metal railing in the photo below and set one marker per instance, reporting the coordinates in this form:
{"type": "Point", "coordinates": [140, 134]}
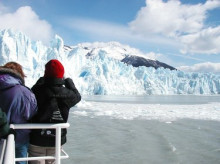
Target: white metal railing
{"type": "Point", "coordinates": [10, 148]}
{"type": "Point", "coordinates": [2, 149]}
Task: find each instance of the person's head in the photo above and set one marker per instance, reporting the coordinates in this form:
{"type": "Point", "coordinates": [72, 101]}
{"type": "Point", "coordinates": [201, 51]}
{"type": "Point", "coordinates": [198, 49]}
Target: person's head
{"type": "Point", "coordinates": [54, 69]}
{"type": "Point", "coordinates": [16, 68]}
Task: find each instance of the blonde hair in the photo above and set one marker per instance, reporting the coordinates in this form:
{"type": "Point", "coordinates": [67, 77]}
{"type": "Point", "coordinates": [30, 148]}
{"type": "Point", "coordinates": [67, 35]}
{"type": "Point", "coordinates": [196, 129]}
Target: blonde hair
{"type": "Point", "coordinates": [16, 67]}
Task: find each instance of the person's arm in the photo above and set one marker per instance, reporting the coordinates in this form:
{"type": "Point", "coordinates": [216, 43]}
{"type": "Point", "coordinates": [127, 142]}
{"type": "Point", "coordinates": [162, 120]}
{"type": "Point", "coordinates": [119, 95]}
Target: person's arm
{"type": "Point", "coordinates": [30, 105]}
{"type": "Point", "coordinates": [4, 126]}
{"type": "Point", "coordinates": [74, 93]}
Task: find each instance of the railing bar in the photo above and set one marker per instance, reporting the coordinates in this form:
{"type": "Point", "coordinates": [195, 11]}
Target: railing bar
{"type": "Point", "coordinates": [34, 158]}
{"type": "Point", "coordinates": [58, 145]}
{"type": "Point", "coordinates": [58, 149]}
{"type": "Point", "coordinates": [39, 126]}
{"type": "Point", "coordinates": [8, 154]}
{"type": "Point", "coordinates": [41, 157]}
{"type": "Point", "coordinates": [3, 148]}
{"type": "Point", "coordinates": [65, 154]}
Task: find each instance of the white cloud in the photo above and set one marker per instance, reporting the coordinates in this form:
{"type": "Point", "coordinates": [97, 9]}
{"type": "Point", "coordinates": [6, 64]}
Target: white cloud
{"type": "Point", "coordinates": [169, 18]}
{"type": "Point", "coordinates": [98, 28]}
{"type": "Point", "coordinates": [154, 56]}
{"type": "Point", "coordinates": [211, 4]}
{"type": "Point", "coordinates": [206, 41]}
{"type": "Point", "coordinates": [202, 67]}
{"type": "Point", "coordinates": [108, 31]}
{"type": "Point", "coordinates": [182, 22]}
{"type": "Point", "coordinates": [3, 9]}
{"type": "Point", "coordinates": [26, 20]}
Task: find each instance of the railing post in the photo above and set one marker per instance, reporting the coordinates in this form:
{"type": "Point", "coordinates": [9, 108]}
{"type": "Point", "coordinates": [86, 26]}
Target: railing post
{"type": "Point", "coordinates": [10, 150]}
{"type": "Point", "coordinates": [58, 144]}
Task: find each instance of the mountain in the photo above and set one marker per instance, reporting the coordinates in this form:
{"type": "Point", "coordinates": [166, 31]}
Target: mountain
{"type": "Point", "coordinates": [104, 68]}
{"type": "Point", "coordinates": [137, 61]}
{"type": "Point", "coordinates": [121, 52]}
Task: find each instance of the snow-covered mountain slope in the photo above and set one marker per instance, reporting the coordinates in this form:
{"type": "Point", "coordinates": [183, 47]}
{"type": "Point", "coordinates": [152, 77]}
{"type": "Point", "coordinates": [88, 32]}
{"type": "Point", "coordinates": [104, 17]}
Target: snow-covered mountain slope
{"type": "Point", "coordinates": [96, 68]}
{"type": "Point", "coordinates": [120, 52]}
{"type": "Point", "coordinates": [112, 49]}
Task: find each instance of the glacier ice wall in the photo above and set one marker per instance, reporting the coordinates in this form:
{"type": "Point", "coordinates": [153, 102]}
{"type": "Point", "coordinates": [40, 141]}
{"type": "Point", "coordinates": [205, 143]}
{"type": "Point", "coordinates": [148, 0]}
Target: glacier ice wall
{"type": "Point", "coordinates": [96, 68]}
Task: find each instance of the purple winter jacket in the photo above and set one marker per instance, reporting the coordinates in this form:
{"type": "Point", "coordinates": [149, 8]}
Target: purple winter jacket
{"type": "Point", "coordinates": [18, 102]}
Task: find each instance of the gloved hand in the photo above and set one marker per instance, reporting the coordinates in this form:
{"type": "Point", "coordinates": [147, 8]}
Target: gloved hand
{"type": "Point", "coordinates": [11, 131]}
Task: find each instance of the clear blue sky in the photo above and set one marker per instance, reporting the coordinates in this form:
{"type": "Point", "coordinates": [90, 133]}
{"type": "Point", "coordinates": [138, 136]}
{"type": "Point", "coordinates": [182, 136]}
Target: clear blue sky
{"type": "Point", "coordinates": [177, 32]}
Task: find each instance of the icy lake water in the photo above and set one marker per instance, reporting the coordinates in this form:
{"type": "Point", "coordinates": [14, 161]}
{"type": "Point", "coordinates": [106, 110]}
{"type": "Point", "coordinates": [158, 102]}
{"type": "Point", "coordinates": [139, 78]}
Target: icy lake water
{"type": "Point", "coordinates": [144, 130]}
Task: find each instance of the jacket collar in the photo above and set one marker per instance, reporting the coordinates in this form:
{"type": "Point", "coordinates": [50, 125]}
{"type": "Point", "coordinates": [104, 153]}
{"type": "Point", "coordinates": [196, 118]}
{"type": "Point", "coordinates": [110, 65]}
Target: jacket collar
{"type": "Point", "coordinates": [12, 73]}
{"type": "Point", "coordinates": [53, 81]}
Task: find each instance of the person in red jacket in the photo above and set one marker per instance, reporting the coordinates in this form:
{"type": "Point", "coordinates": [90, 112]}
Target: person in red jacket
{"type": "Point", "coordinates": [55, 96]}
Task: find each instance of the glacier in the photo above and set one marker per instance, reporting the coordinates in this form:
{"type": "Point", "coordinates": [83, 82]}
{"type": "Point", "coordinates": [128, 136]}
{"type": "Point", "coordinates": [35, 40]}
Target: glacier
{"type": "Point", "coordinates": [96, 68]}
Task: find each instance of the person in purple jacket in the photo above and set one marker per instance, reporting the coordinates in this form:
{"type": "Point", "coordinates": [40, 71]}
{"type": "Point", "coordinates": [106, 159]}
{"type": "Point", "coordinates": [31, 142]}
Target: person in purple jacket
{"type": "Point", "coordinates": [18, 102]}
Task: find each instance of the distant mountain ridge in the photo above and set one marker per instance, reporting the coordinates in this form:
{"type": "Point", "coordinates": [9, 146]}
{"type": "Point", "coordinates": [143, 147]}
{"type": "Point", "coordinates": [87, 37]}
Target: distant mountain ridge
{"type": "Point", "coordinates": [120, 52]}
{"type": "Point", "coordinates": [137, 61]}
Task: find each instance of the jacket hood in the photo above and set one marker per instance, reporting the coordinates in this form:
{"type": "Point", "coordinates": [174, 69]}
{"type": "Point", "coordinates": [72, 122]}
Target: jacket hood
{"type": "Point", "coordinates": [9, 78]}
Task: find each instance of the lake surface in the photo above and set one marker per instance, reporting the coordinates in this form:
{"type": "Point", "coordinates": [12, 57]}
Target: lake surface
{"type": "Point", "coordinates": [144, 130]}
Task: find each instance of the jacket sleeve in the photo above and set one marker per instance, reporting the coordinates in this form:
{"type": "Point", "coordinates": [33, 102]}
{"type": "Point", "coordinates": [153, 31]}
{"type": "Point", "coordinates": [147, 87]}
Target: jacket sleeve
{"type": "Point", "coordinates": [30, 106]}
{"type": "Point", "coordinates": [4, 127]}
{"type": "Point", "coordinates": [75, 96]}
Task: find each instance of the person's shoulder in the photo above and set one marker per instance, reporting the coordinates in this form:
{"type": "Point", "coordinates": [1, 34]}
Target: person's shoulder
{"type": "Point", "coordinates": [25, 91]}
{"type": "Point", "coordinates": [28, 96]}
{"type": "Point", "coordinates": [40, 82]}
